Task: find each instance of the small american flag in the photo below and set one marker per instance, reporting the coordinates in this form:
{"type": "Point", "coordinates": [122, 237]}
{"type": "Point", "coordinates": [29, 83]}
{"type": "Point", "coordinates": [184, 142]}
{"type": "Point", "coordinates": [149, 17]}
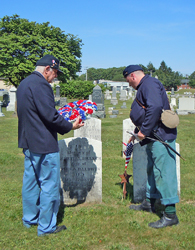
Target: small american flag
{"type": "Point", "coordinates": [128, 152]}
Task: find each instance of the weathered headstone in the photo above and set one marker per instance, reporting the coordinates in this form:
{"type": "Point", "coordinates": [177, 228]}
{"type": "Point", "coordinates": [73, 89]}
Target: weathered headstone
{"type": "Point", "coordinates": [5, 99]}
{"type": "Point", "coordinates": [107, 95]}
{"type": "Point", "coordinates": [110, 110]}
{"type": "Point", "coordinates": [98, 98]}
{"type": "Point", "coordinates": [127, 126]}
{"type": "Point", "coordinates": [123, 95]}
{"type": "Point", "coordinates": [1, 114]}
{"type": "Point", "coordinates": [63, 101]}
{"type": "Point", "coordinates": [81, 170]}
{"type": "Point", "coordinates": [91, 129]}
{"type": "Point", "coordinates": [12, 103]}
{"type": "Point", "coordinates": [140, 172]}
{"type": "Point", "coordinates": [172, 91]}
{"type": "Point", "coordinates": [173, 101]}
{"type": "Point", "coordinates": [186, 106]}
{"type": "Point", "coordinates": [124, 105]}
{"type": "Point", "coordinates": [114, 100]}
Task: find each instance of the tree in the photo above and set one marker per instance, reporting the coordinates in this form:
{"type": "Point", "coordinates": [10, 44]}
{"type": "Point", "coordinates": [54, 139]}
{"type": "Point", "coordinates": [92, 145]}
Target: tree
{"type": "Point", "coordinates": [23, 43]}
{"type": "Point", "coordinates": [192, 80]}
{"type": "Point", "coordinates": [76, 89]}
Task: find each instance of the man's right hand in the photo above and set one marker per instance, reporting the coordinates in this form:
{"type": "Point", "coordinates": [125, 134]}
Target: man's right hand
{"type": "Point", "coordinates": [76, 124]}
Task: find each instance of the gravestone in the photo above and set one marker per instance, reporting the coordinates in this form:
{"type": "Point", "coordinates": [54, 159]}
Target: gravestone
{"type": "Point", "coordinates": [140, 172]}
{"type": "Point", "coordinates": [98, 98]}
{"type": "Point", "coordinates": [91, 129]}
{"type": "Point", "coordinates": [127, 126]}
{"type": "Point", "coordinates": [1, 114]}
{"type": "Point", "coordinates": [57, 97]}
{"type": "Point", "coordinates": [173, 101]}
{"type": "Point", "coordinates": [124, 105]}
{"type": "Point", "coordinates": [172, 91]}
{"type": "Point", "coordinates": [110, 110]}
{"type": "Point", "coordinates": [63, 101]}
{"type": "Point", "coordinates": [123, 95]}
{"type": "Point", "coordinates": [115, 112]}
{"type": "Point", "coordinates": [107, 95]}
{"type": "Point", "coordinates": [90, 98]}
{"type": "Point", "coordinates": [186, 106]}
{"type": "Point", "coordinates": [81, 170]}
{"type": "Point", "coordinates": [114, 100]}
{"type": "Point", "coordinates": [12, 104]}
{"type": "Point", "coordinates": [5, 99]}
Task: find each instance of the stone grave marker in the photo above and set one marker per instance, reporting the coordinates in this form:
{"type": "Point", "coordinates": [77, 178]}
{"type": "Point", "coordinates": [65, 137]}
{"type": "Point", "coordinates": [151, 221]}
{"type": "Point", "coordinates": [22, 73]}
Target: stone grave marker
{"type": "Point", "coordinates": [81, 170]}
{"type": "Point", "coordinates": [123, 95]}
{"type": "Point", "coordinates": [5, 100]}
{"type": "Point", "coordinates": [91, 129]}
{"type": "Point", "coordinates": [173, 101]}
{"type": "Point", "coordinates": [124, 105]}
{"type": "Point", "coordinates": [63, 101]}
{"type": "Point", "coordinates": [186, 106]}
{"type": "Point", "coordinates": [98, 98]}
{"type": "Point", "coordinates": [12, 103]}
{"type": "Point", "coordinates": [107, 95]}
{"type": "Point", "coordinates": [140, 172]}
{"type": "Point", "coordinates": [127, 126]}
{"type": "Point", "coordinates": [114, 100]}
{"type": "Point", "coordinates": [1, 114]}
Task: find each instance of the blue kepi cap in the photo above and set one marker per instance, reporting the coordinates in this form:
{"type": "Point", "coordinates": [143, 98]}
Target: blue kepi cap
{"type": "Point", "coordinates": [131, 68]}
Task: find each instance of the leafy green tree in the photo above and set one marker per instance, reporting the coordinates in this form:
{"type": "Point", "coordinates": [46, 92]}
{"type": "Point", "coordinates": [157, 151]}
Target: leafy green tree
{"type": "Point", "coordinates": [76, 89]}
{"type": "Point", "coordinates": [23, 43]}
{"type": "Point", "coordinates": [192, 80]}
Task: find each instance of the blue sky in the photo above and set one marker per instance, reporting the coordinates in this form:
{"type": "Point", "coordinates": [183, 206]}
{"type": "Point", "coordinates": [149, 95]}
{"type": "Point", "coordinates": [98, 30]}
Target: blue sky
{"type": "Point", "coordinates": [120, 32]}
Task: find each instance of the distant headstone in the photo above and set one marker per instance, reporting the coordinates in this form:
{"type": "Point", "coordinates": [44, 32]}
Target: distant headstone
{"type": "Point", "coordinates": [1, 114]}
{"type": "Point", "coordinates": [90, 98]}
{"type": "Point", "coordinates": [110, 110]}
{"type": "Point", "coordinates": [173, 101]}
{"type": "Point", "coordinates": [98, 98]}
{"type": "Point", "coordinates": [81, 170]}
{"type": "Point", "coordinates": [123, 95]}
{"type": "Point", "coordinates": [91, 129]}
{"type": "Point", "coordinates": [172, 91]}
{"type": "Point", "coordinates": [124, 105]}
{"type": "Point", "coordinates": [57, 91]}
{"type": "Point", "coordinates": [114, 100]}
{"type": "Point", "coordinates": [186, 106]}
{"type": "Point", "coordinates": [115, 112]}
{"type": "Point", "coordinates": [113, 116]}
{"type": "Point", "coordinates": [5, 100]}
{"type": "Point", "coordinates": [12, 103]}
{"type": "Point", "coordinates": [63, 101]}
{"type": "Point", "coordinates": [107, 95]}
{"type": "Point", "coordinates": [140, 172]}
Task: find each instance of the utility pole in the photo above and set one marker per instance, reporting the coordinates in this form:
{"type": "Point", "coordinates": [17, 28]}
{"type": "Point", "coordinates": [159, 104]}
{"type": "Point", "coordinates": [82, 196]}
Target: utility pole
{"type": "Point", "coordinates": [86, 72]}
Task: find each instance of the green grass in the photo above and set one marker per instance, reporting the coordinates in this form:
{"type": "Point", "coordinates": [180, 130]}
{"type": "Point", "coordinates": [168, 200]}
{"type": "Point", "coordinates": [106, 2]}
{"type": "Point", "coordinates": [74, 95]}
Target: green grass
{"type": "Point", "coordinates": [109, 225]}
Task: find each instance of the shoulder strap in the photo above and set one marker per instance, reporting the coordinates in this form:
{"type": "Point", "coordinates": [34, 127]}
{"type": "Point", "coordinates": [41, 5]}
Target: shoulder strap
{"type": "Point", "coordinates": [140, 104]}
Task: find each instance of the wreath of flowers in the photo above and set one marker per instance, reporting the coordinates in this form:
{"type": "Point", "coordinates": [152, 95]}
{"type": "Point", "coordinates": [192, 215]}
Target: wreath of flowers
{"type": "Point", "coordinates": [72, 110]}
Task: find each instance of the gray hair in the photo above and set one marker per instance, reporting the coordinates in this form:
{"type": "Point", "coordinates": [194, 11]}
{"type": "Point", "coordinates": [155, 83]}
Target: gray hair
{"type": "Point", "coordinates": [41, 69]}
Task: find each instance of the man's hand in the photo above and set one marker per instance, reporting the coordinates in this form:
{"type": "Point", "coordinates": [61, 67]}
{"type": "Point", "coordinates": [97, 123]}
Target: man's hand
{"type": "Point", "coordinates": [76, 124]}
{"type": "Point", "coordinates": [140, 135]}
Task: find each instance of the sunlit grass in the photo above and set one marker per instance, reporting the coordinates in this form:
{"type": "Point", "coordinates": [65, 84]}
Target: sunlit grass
{"type": "Point", "coordinates": [109, 225]}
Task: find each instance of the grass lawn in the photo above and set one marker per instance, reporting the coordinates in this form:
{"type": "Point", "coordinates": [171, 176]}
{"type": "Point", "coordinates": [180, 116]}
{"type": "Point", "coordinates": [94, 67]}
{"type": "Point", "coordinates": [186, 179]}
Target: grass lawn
{"type": "Point", "coordinates": [109, 225]}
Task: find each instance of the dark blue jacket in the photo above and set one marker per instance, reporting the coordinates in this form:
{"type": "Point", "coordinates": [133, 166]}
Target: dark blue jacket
{"type": "Point", "coordinates": [152, 95]}
{"type": "Point", "coordinates": [38, 120]}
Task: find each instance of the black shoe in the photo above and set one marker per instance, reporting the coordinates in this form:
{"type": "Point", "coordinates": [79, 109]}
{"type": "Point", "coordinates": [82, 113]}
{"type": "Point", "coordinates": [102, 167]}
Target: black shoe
{"type": "Point", "coordinates": [165, 222]}
{"type": "Point", "coordinates": [59, 228]}
{"type": "Point", "coordinates": [144, 206]}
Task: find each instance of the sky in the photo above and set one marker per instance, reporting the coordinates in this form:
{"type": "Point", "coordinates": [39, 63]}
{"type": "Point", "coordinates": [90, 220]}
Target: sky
{"type": "Point", "coordinates": [117, 33]}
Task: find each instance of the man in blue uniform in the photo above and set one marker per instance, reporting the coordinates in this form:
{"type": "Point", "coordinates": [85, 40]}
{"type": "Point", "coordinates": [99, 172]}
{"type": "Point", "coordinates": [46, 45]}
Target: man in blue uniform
{"type": "Point", "coordinates": [38, 125]}
{"type": "Point", "coordinates": [146, 111]}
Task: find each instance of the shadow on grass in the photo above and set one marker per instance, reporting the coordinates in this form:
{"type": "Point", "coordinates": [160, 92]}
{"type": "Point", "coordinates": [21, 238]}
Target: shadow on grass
{"type": "Point", "coordinates": [61, 211]}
